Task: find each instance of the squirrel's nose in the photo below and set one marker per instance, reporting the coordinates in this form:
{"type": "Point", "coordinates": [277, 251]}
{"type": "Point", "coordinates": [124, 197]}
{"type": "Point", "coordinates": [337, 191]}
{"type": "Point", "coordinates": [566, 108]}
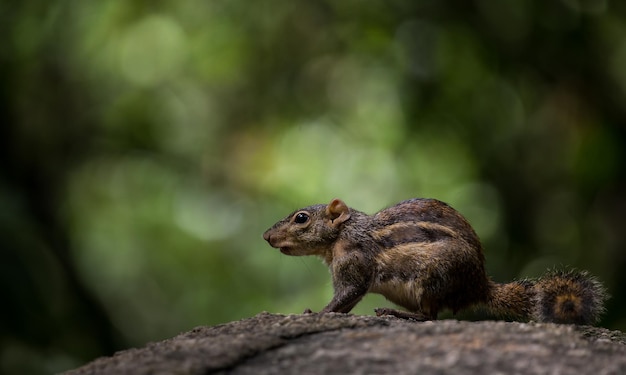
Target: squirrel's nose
{"type": "Point", "coordinates": [266, 236]}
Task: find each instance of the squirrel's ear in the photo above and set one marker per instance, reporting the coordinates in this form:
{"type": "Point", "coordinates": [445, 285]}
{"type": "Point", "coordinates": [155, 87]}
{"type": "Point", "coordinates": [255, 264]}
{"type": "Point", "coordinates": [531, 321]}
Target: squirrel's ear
{"type": "Point", "coordinates": [337, 211]}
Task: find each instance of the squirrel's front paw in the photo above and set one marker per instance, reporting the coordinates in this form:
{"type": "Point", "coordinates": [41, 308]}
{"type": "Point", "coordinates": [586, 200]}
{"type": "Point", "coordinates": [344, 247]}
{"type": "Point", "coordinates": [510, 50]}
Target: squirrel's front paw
{"type": "Point", "coordinates": [308, 311]}
{"type": "Point", "coordinates": [381, 311]}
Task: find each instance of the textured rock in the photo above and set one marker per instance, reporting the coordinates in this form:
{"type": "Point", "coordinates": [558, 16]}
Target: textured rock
{"type": "Point", "coordinates": [343, 343]}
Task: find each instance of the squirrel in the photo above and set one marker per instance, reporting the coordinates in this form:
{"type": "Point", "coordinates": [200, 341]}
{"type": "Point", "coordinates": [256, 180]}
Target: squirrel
{"type": "Point", "coordinates": [424, 256]}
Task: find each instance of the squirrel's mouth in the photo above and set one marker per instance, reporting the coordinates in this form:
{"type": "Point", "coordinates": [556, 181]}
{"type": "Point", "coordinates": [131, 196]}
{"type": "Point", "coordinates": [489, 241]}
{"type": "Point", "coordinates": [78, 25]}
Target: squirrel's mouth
{"type": "Point", "coordinates": [285, 250]}
{"type": "Point", "coordinates": [285, 247]}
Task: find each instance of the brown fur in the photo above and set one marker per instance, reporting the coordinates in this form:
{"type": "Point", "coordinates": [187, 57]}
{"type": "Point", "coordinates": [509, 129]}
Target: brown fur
{"type": "Point", "coordinates": [421, 254]}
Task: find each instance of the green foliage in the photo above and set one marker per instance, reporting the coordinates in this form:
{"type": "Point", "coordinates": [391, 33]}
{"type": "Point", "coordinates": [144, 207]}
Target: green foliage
{"type": "Point", "coordinates": [145, 148]}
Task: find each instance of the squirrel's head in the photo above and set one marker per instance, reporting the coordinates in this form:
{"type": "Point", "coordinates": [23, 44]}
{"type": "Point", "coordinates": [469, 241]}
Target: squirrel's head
{"type": "Point", "coordinates": [310, 230]}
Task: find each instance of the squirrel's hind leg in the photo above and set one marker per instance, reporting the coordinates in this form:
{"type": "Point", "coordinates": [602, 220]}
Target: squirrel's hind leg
{"type": "Point", "coordinates": [383, 311]}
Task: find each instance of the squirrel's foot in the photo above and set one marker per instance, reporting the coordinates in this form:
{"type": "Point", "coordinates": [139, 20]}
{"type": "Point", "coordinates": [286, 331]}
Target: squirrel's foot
{"type": "Point", "coordinates": [308, 311]}
{"type": "Point", "coordinates": [401, 314]}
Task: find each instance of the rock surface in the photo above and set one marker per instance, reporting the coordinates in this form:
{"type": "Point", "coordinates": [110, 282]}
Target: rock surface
{"type": "Point", "coordinates": [343, 343]}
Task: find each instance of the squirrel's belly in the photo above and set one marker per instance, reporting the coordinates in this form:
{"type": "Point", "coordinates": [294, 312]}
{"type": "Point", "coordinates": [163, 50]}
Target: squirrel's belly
{"type": "Point", "coordinates": [407, 294]}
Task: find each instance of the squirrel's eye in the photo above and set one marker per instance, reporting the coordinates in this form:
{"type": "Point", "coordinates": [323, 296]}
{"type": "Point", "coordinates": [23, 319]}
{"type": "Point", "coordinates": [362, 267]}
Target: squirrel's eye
{"type": "Point", "coordinates": [301, 218]}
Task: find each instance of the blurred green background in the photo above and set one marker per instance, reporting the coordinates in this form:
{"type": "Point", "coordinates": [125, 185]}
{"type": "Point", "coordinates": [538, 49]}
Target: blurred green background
{"type": "Point", "coordinates": [146, 145]}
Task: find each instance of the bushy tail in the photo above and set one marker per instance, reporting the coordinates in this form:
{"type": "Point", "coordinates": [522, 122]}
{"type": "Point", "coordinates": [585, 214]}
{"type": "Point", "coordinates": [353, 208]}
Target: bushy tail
{"type": "Point", "coordinates": [567, 297]}
{"type": "Point", "coordinates": [512, 300]}
{"type": "Point", "coordinates": [571, 297]}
